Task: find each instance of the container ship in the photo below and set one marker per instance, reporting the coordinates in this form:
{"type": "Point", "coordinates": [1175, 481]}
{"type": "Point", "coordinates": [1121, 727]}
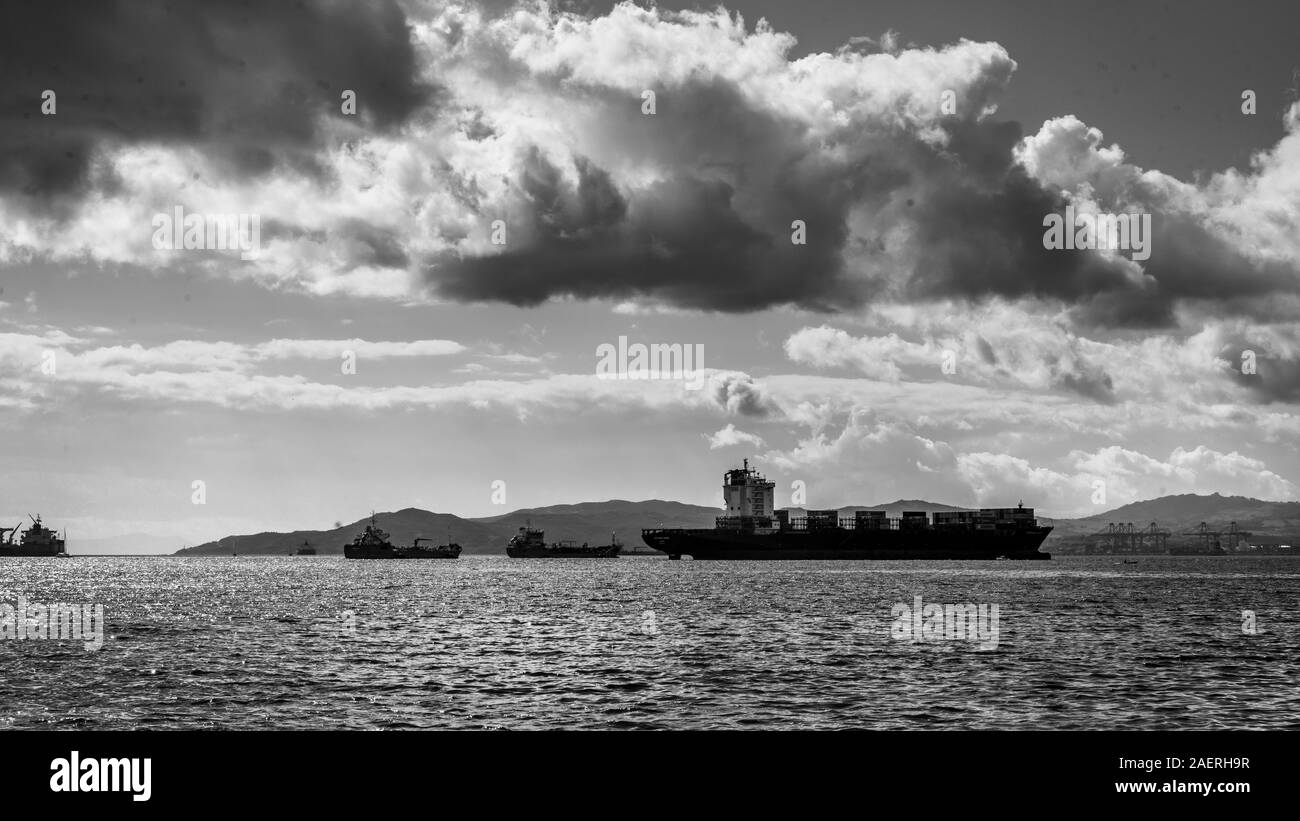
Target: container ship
{"type": "Point", "coordinates": [753, 530]}
{"type": "Point", "coordinates": [37, 540]}
{"type": "Point", "coordinates": [373, 543]}
{"type": "Point", "coordinates": [531, 544]}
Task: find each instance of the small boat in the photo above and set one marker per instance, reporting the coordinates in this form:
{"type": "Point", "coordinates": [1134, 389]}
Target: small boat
{"type": "Point", "coordinates": [306, 549]}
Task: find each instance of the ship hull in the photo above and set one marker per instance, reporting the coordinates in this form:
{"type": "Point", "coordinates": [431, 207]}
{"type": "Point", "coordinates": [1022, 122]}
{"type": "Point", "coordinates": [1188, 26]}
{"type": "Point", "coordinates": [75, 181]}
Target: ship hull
{"type": "Point", "coordinates": [606, 552]}
{"type": "Point", "coordinates": [860, 545]}
{"type": "Point", "coordinates": [371, 552]}
{"type": "Point", "coordinates": [18, 552]}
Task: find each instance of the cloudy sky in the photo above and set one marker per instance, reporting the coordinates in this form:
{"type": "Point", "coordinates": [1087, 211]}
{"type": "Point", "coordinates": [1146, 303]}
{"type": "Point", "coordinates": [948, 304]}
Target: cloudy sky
{"type": "Point", "coordinates": [436, 270]}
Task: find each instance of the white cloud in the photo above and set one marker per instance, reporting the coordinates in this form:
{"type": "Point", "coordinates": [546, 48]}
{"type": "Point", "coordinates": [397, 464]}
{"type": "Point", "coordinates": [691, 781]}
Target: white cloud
{"type": "Point", "coordinates": [226, 374]}
{"type": "Point", "coordinates": [385, 205]}
{"type": "Point", "coordinates": [872, 459]}
{"type": "Point", "coordinates": [332, 348]}
{"type": "Point", "coordinates": [730, 436]}
{"type": "Point", "coordinates": [1005, 346]}
{"type": "Point", "coordinates": [218, 356]}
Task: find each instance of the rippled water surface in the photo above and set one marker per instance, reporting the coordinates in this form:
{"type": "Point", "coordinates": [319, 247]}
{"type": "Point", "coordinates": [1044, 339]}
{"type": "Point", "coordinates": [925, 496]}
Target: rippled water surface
{"type": "Point", "coordinates": [488, 642]}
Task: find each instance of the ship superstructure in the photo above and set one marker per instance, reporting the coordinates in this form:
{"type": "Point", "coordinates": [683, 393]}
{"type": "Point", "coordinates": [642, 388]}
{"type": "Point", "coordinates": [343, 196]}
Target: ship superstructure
{"type": "Point", "coordinates": [37, 540]}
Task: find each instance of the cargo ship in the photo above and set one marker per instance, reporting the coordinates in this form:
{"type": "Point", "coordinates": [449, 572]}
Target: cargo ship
{"type": "Point", "coordinates": [373, 543]}
{"type": "Point", "coordinates": [37, 540]}
{"type": "Point", "coordinates": [531, 544]}
{"type": "Point", "coordinates": [753, 530]}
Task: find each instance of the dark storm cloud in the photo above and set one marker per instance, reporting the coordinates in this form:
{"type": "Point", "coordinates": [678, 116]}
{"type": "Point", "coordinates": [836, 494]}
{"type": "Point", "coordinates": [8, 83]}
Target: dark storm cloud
{"type": "Point", "coordinates": [715, 234]}
{"type": "Point", "coordinates": [692, 206]}
{"type": "Point", "coordinates": [680, 240]}
{"type": "Point", "coordinates": [891, 212]}
{"type": "Point", "coordinates": [1188, 264]}
{"type": "Point", "coordinates": [1191, 263]}
{"type": "Point", "coordinates": [247, 82]}
{"type": "Point", "coordinates": [683, 239]}
{"type": "Point", "coordinates": [980, 231]}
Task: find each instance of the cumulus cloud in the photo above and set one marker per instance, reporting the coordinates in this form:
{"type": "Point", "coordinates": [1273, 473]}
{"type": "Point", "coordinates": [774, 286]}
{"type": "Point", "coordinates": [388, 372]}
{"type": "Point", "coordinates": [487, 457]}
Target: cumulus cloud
{"type": "Point", "coordinates": [729, 436]}
{"type": "Point", "coordinates": [1230, 240]}
{"type": "Point", "coordinates": [1131, 472]}
{"type": "Point", "coordinates": [904, 201]}
{"type": "Point", "coordinates": [738, 393]}
{"type": "Point", "coordinates": [533, 117]}
{"type": "Point", "coordinates": [878, 357]}
{"type": "Point", "coordinates": [1015, 345]}
{"type": "Point", "coordinates": [873, 459]}
{"type": "Point", "coordinates": [694, 204]}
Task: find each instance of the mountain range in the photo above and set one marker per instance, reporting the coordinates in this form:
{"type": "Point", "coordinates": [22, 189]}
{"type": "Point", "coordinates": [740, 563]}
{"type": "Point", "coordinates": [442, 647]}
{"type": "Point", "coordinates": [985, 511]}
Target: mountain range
{"type": "Point", "coordinates": [592, 522]}
{"type": "Point", "coordinates": [1267, 522]}
{"type": "Point", "coordinates": [595, 522]}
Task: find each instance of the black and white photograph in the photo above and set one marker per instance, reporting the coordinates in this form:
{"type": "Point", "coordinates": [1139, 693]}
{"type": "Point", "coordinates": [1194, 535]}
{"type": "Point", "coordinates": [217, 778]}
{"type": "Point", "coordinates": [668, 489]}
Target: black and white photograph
{"type": "Point", "coordinates": [678, 381]}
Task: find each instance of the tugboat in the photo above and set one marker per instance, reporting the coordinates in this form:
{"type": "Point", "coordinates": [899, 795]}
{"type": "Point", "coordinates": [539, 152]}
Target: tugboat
{"type": "Point", "coordinates": [531, 544]}
{"type": "Point", "coordinates": [306, 549]}
{"type": "Point", "coordinates": [374, 544]}
{"type": "Point", "coordinates": [38, 540]}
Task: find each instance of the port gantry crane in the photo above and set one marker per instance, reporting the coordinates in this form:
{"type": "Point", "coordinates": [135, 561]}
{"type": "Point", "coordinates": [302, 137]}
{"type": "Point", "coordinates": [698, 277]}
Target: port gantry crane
{"type": "Point", "coordinates": [1204, 533]}
{"type": "Point", "coordinates": [1126, 538]}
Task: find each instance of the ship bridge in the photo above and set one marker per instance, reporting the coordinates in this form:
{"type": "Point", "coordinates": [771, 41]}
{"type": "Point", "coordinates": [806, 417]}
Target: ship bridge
{"type": "Point", "coordinates": [749, 497]}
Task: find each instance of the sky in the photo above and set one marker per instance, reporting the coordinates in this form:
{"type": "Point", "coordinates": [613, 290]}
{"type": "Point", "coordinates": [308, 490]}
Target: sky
{"type": "Point", "coordinates": [443, 265]}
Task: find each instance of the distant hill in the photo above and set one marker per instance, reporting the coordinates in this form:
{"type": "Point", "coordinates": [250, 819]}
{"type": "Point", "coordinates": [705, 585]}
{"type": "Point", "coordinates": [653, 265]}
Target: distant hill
{"type": "Point", "coordinates": [893, 510]}
{"type": "Point", "coordinates": [593, 522]}
{"type": "Point", "coordinates": [1269, 520]}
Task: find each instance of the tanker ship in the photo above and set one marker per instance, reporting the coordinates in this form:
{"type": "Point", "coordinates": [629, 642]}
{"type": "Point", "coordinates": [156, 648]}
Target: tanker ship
{"type": "Point", "coordinates": [38, 540]}
{"type": "Point", "coordinates": [373, 543]}
{"type": "Point", "coordinates": [531, 544]}
{"type": "Point", "coordinates": [753, 530]}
